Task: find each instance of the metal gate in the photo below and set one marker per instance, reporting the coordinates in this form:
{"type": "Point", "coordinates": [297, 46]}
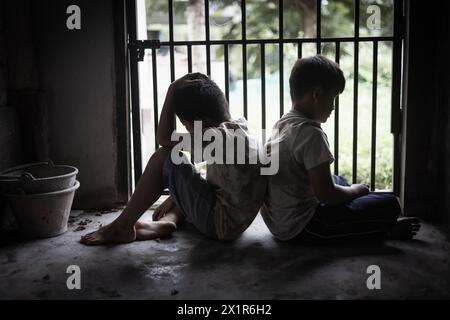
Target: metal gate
{"type": "Point", "coordinates": [137, 49]}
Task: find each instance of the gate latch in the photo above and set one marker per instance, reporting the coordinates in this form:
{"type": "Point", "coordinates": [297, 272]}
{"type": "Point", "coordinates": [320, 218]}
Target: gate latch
{"type": "Point", "coordinates": [137, 47]}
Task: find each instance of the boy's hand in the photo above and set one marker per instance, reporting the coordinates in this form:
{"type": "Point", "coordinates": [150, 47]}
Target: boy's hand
{"type": "Point", "coordinates": [163, 208]}
{"type": "Point", "coordinates": [179, 83]}
{"type": "Point", "coordinates": [360, 189]}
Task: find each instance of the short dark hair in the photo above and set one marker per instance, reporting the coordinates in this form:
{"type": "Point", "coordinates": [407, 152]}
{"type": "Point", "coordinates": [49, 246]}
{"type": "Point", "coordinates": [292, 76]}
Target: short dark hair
{"type": "Point", "coordinates": [201, 99]}
{"type": "Point", "coordinates": [316, 71]}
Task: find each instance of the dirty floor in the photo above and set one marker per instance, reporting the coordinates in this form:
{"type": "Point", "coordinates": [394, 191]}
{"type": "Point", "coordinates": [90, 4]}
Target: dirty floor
{"type": "Point", "coordinates": [189, 266]}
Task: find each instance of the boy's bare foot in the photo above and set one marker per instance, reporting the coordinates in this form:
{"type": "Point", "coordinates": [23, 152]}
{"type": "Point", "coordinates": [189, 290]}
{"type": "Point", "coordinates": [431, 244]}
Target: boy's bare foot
{"type": "Point", "coordinates": [406, 228]}
{"type": "Point", "coordinates": [111, 233]}
{"type": "Point", "coordinates": [154, 230]}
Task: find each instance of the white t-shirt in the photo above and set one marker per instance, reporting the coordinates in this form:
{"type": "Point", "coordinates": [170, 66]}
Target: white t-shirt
{"type": "Point", "coordinates": [290, 201]}
{"type": "Point", "coordinates": [239, 188]}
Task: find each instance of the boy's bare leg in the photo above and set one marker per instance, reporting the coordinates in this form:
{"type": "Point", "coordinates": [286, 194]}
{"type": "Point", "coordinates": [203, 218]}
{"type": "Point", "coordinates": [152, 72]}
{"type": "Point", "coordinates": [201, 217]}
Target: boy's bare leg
{"type": "Point", "coordinates": [148, 190]}
{"type": "Point", "coordinates": [161, 228]}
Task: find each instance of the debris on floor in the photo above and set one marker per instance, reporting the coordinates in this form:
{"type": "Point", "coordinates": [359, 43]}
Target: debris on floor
{"type": "Point", "coordinates": [84, 222]}
{"type": "Point", "coordinates": [73, 219]}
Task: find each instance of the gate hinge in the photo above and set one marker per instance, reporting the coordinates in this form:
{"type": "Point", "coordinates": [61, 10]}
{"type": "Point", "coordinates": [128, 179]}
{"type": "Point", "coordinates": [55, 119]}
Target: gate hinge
{"type": "Point", "coordinates": [137, 47]}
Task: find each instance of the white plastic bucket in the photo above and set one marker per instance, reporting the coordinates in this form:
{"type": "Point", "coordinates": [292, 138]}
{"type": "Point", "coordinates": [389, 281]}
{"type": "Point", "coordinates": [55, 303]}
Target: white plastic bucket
{"type": "Point", "coordinates": [43, 177]}
{"type": "Point", "coordinates": [45, 214]}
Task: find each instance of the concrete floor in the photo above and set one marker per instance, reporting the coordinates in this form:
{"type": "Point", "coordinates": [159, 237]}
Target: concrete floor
{"type": "Point", "coordinates": [189, 266]}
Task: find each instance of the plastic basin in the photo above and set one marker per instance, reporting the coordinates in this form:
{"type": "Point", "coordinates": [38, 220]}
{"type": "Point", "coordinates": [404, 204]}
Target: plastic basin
{"type": "Point", "coordinates": [43, 215]}
{"type": "Point", "coordinates": [37, 178]}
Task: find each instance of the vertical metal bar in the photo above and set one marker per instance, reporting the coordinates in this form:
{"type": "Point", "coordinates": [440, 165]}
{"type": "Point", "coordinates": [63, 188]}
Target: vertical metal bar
{"type": "Point", "coordinates": [300, 50]}
{"type": "Point", "coordinates": [355, 95]}
{"type": "Point", "coordinates": [208, 47]}
{"type": "Point", "coordinates": [189, 53]}
{"type": "Point", "coordinates": [374, 115]}
{"type": "Point", "coordinates": [155, 94]}
{"type": "Point", "coordinates": [227, 72]}
{"type": "Point", "coordinates": [336, 116]}
{"type": "Point", "coordinates": [318, 25]}
{"type": "Point", "coordinates": [396, 91]}
{"type": "Point", "coordinates": [124, 151]}
{"type": "Point", "coordinates": [281, 54]}
{"type": "Point", "coordinates": [263, 91]}
{"type": "Point", "coordinates": [244, 54]}
{"type": "Point", "coordinates": [134, 84]}
{"type": "Point", "coordinates": [171, 46]}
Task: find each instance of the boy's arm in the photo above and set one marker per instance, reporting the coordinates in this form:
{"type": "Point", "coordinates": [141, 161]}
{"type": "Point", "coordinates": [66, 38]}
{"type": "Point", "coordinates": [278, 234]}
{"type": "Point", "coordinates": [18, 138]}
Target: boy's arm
{"type": "Point", "coordinates": [329, 193]}
{"type": "Point", "coordinates": [167, 121]}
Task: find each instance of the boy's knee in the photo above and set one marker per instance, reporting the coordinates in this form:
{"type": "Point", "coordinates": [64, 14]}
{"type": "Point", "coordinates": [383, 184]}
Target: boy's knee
{"type": "Point", "coordinates": [161, 154]}
{"type": "Point", "coordinates": [163, 150]}
{"type": "Point", "coordinates": [391, 205]}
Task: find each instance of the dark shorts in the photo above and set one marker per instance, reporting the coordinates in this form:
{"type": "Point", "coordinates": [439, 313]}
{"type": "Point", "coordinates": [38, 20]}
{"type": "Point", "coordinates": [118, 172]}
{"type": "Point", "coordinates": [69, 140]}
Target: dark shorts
{"type": "Point", "coordinates": [369, 217]}
{"type": "Point", "coordinates": [193, 195]}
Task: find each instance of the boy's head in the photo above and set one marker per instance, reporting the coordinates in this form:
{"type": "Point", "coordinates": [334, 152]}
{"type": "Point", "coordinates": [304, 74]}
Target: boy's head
{"type": "Point", "coordinates": [199, 98]}
{"type": "Point", "coordinates": [314, 84]}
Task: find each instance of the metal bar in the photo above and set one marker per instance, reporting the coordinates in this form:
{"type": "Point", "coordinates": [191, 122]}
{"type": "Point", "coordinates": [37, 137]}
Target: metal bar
{"type": "Point", "coordinates": [124, 127]}
{"type": "Point", "coordinates": [336, 116]}
{"type": "Point", "coordinates": [299, 50]}
{"type": "Point", "coordinates": [171, 42]}
{"type": "Point", "coordinates": [208, 47]}
{"type": "Point", "coordinates": [355, 95]}
{"type": "Point", "coordinates": [275, 41]}
{"type": "Point", "coordinates": [134, 84]}
{"type": "Point", "coordinates": [155, 94]}
{"type": "Point", "coordinates": [396, 91]}
{"type": "Point", "coordinates": [374, 115]}
{"type": "Point", "coordinates": [189, 53]}
{"type": "Point", "coordinates": [244, 54]}
{"type": "Point", "coordinates": [149, 44]}
{"type": "Point", "coordinates": [318, 24]}
{"type": "Point", "coordinates": [281, 54]}
{"type": "Point", "coordinates": [357, 8]}
{"type": "Point", "coordinates": [263, 91]}
{"type": "Point", "coordinates": [244, 78]}
{"type": "Point", "coordinates": [227, 72]}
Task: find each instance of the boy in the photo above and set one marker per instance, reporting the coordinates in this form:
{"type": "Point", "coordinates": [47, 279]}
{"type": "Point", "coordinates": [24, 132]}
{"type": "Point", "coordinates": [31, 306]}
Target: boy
{"type": "Point", "coordinates": [304, 201]}
{"type": "Point", "coordinates": [221, 206]}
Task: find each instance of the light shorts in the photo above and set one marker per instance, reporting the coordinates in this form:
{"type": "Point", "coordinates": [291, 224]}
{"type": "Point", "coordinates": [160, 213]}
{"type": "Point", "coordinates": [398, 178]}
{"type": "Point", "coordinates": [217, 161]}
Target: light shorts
{"type": "Point", "coordinates": [193, 195]}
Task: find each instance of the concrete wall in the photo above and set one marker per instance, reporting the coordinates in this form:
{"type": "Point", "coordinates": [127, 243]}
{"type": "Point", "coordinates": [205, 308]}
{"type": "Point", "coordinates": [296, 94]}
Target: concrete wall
{"type": "Point", "coordinates": [61, 92]}
{"type": "Point", "coordinates": [78, 77]}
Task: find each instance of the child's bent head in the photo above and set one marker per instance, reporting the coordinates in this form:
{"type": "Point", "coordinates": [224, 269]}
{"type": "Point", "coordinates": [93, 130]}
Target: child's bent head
{"type": "Point", "coordinates": [199, 98]}
{"type": "Point", "coordinates": [313, 73]}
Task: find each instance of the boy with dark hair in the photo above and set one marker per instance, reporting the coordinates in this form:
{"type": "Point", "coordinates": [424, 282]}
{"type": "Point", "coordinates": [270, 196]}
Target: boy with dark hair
{"type": "Point", "coordinates": [304, 201]}
{"type": "Point", "coordinates": [221, 206]}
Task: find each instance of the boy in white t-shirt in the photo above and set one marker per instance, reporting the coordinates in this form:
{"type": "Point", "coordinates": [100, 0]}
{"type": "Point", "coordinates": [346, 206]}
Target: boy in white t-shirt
{"type": "Point", "coordinates": [304, 201]}
{"type": "Point", "coordinates": [222, 205]}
